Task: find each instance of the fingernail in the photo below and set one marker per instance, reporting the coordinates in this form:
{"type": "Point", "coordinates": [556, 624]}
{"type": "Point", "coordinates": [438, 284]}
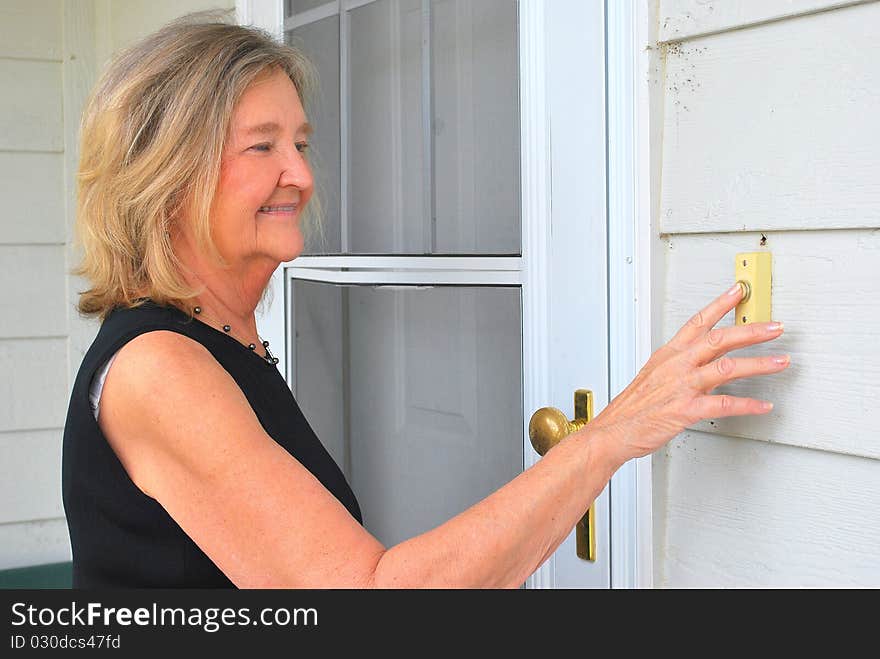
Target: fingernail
{"type": "Point", "coordinates": [784, 359]}
{"type": "Point", "coordinates": [773, 327]}
{"type": "Point", "coordinates": [767, 406]}
{"type": "Point", "coordinates": [735, 289]}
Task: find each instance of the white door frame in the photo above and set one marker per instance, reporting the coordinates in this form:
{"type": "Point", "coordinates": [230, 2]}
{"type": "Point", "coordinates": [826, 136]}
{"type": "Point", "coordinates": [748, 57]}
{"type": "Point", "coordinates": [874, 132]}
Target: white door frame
{"type": "Point", "coordinates": [630, 267]}
{"type": "Point", "coordinates": [631, 270]}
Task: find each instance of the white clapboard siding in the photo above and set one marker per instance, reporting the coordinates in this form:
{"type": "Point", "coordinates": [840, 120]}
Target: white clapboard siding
{"type": "Point", "coordinates": [31, 483]}
{"type": "Point", "coordinates": [685, 19]}
{"type": "Point", "coordinates": [23, 544]}
{"type": "Point", "coordinates": [735, 513]}
{"type": "Point", "coordinates": [774, 127]}
{"type": "Point", "coordinates": [30, 106]}
{"type": "Point", "coordinates": [33, 299]}
{"type": "Point", "coordinates": [30, 29]}
{"type": "Point", "coordinates": [33, 387]}
{"type": "Point", "coordinates": [826, 289]}
{"type": "Point", "coordinates": [32, 194]}
{"type": "Point", "coordinates": [33, 317]}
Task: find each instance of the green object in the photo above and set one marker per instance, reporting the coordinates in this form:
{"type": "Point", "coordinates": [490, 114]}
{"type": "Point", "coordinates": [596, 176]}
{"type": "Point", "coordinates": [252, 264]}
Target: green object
{"type": "Point", "coordinates": [49, 576]}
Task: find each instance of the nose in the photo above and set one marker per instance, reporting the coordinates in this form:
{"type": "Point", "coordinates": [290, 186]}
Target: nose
{"type": "Point", "coordinates": [296, 171]}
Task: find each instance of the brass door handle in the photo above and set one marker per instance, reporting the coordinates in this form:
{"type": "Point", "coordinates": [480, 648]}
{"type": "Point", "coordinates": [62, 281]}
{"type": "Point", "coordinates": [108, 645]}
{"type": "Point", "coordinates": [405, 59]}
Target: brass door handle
{"type": "Point", "coordinates": [547, 427]}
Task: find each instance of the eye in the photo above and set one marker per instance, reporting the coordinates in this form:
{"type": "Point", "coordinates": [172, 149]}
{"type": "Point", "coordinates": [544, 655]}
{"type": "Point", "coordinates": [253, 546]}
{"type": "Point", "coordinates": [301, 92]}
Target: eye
{"type": "Point", "coordinates": [302, 146]}
{"type": "Point", "coordinates": [263, 146]}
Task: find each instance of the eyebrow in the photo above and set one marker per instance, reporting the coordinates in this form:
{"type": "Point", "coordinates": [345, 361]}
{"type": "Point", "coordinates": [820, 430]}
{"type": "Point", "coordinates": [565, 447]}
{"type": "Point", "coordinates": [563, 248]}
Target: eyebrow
{"type": "Point", "coordinates": [270, 127]}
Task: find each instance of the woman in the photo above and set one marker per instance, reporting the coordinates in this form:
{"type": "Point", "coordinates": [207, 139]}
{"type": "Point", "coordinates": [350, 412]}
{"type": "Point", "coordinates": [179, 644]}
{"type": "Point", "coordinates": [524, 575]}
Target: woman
{"type": "Point", "coordinates": [193, 466]}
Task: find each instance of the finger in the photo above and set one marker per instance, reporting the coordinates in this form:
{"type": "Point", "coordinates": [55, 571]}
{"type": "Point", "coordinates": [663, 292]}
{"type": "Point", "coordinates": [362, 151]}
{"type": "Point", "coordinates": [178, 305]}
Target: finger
{"type": "Point", "coordinates": [715, 407]}
{"type": "Point", "coordinates": [726, 369]}
{"type": "Point", "coordinates": [707, 317]}
{"type": "Point", "coordinates": [719, 341]}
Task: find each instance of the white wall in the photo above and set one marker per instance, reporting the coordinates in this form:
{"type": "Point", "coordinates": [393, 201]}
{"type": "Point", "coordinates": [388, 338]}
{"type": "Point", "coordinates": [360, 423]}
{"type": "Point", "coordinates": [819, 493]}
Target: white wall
{"type": "Point", "coordinates": [768, 130]}
{"type": "Point", "coordinates": [50, 52]}
{"type": "Point", "coordinates": [33, 315]}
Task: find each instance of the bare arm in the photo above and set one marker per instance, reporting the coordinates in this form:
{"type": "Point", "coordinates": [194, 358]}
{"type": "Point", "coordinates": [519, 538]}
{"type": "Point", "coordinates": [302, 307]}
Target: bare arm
{"type": "Point", "coordinates": [501, 540]}
{"type": "Point", "coordinates": [267, 522]}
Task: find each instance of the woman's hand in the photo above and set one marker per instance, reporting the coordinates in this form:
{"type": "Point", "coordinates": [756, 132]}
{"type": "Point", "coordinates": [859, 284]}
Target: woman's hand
{"type": "Point", "coordinates": [672, 391]}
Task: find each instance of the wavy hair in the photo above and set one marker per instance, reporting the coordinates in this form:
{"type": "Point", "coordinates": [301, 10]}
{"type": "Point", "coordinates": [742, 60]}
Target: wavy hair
{"type": "Point", "coordinates": [152, 135]}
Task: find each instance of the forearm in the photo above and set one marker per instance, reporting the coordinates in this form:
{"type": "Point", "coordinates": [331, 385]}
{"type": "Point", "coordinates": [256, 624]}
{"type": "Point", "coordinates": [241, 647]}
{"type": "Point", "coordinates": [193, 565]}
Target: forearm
{"type": "Point", "coordinates": [501, 540]}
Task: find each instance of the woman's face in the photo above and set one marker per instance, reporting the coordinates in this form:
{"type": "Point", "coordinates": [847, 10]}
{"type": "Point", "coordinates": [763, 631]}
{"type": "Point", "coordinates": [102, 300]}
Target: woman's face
{"type": "Point", "coordinates": [265, 180]}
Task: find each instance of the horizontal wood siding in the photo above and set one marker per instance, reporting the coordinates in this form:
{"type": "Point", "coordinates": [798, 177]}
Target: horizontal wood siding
{"type": "Point", "coordinates": [774, 127]}
{"type": "Point", "coordinates": [768, 140]}
{"type": "Point", "coordinates": [826, 289]}
{"type": "Point", "coordinates": [31, 488]}
{"type": "Point", "coordinates": [33, 390]}
{"type": "Point", "coordinates": [30, 29]}
{"type": "Point", "coordinates": [32, 191]}
{"type": "Point", "coordinates": [33, 300]}
{"type": "Point", "coordinates": [685, 19]}
{"type": "Point", "coordinates": [34, 543]}
{"type": "Point", "coordinates": [744, 514]}
{"type": "Point", "coordinates": [30, 106]}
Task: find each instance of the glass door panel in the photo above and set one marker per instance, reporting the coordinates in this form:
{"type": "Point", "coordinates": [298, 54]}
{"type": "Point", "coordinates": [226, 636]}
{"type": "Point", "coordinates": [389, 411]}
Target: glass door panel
{"type": "Point", "coordinates": [475, 96]}
{"type": "Point", "coordinates": [417, 149]}
{"type": "Point", "coordinates": [320, 39]}
{"type": "Point", "coordinates": [299, 6]}
{"type": "Point", "coordinates": [389, 192]}
{"type": "Point", "coordinates": [415, 391]}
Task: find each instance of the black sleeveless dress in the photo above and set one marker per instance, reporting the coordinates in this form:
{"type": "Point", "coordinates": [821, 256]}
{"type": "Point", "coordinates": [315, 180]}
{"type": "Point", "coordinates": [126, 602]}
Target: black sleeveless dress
{"type": "Point", "coordinates": [120, 537]}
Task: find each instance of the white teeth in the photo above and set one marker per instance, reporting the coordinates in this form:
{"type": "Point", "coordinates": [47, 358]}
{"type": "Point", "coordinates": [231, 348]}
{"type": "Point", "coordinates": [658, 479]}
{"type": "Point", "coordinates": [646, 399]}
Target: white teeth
{"type": "Point", "coordinates": [269, 209]}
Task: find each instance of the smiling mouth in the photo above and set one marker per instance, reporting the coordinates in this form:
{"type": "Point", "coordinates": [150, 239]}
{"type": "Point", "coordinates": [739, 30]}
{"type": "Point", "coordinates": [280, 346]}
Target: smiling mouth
{"type": "Point", "coordinates": [280, 209]}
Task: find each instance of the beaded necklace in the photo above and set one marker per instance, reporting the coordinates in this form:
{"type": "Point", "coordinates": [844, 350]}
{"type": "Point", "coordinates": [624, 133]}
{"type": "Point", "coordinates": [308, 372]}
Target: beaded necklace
{"type": "Point", "coordinates": [268, 357]}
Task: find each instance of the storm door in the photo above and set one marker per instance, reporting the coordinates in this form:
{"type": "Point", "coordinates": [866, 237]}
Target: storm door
{"type": "Point", "coordinates": [444, 297]}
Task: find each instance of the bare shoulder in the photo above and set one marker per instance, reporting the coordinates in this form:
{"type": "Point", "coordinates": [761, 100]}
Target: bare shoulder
{"type": "Point", "coordinates": [164, 351]}
{"type": "Point", "coordinates": [162, 395]}
{"type": "Point", "coordinates": [166, 366]}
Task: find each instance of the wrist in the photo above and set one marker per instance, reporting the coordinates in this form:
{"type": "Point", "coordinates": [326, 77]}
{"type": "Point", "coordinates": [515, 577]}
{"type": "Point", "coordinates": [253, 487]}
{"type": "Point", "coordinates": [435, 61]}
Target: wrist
{"type": "Point", "coordinates": [604, 449]}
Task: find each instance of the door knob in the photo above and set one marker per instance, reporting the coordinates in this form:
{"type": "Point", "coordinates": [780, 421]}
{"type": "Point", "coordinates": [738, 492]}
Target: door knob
{"type": "Point", "coordinates": [547, 427]}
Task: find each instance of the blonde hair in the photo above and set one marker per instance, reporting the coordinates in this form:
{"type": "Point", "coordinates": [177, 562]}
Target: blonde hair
{"type": "Point", "coordinates": [152, 135]}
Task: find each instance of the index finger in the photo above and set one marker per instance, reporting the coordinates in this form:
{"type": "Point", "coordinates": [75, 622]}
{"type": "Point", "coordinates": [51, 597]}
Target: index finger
{"type": "Point", "coordinates": [708, 316]}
